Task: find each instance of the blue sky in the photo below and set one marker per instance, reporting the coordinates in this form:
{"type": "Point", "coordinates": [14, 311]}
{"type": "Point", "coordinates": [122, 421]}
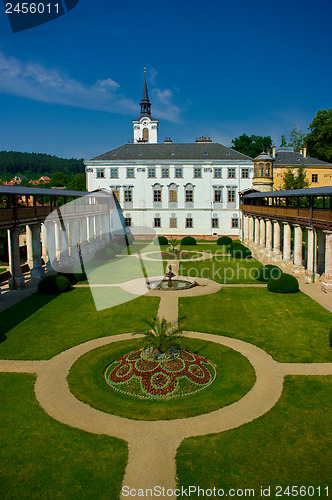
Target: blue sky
{"type": "Point", "coordinates": [72, 86]}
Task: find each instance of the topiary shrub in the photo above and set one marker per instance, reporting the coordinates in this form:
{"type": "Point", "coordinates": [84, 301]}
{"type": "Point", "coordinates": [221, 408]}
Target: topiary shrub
{"type": "Point", "coordinates": [286, 283]}
{"type": "Point", "coordinates": [240, 252]}
{"type": "Point", "coordinates": [117, 248]}
{"type": "Point", "coordinates": [101, 254]}
{"type": "Point", "coordinates": [110, 253]}
{"type": "Point", "coordinates": [188, 240]}
{"type": "Point", "coordinates": [54, 284]}
{"type": "Point", "coordinates": [160, 240]}
{"type": "Point", "coordinates": [224, 240]}
{"type": "Point", "coordinates": [267, 272]}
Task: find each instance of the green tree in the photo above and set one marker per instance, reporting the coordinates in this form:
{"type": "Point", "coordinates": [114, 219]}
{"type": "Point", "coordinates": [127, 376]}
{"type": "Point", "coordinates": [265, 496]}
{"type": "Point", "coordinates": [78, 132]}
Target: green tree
{"type": "Point", "coordinates": [252, 145]}
{"type": "Point", "coordinates": [161, 334]}
{"type": "Point", "coordinates": [296, 138]}
{"type": "Point", "coordinates": [296, 180]}
{"type": "Point", "coordinates": [319, 139]}
{"type": "Point", "coordinates": [78, 183]}
{"type": "Point", "coordinates": [283, 141]}
{"type": "Point", "coordinates": [59, 179]}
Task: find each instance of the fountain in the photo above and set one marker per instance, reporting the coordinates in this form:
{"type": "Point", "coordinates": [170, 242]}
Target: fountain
{"type": "Point", "coordinates": [170, 284]}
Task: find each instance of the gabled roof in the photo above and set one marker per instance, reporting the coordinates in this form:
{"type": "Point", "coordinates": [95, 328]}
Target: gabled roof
{"type": "Point", "coordinates": [289, 158]}
{"type": "Point", "coordinates": [319, 191]}
{"type": "Point", "coordinates": [173, 151]}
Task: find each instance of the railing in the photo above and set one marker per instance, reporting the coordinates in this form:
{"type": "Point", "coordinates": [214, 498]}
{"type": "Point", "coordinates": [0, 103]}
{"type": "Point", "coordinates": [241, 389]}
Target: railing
{"type": "Point", "coordinates": [290, 212]}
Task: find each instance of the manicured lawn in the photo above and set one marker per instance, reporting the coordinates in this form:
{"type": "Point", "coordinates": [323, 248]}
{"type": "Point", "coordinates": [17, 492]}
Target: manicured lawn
{"type": "Point", "coordinates": [43, 325]}
{"type": "Point", "coordinates": [223, 269]}
{"type": "Point", "coordinates": [42, 458]}
{"type": "Point", "coordinates": [290, 327]}
{"type": "Point", "coordinates": [206, 247]}
{"type": "Point", "coordinates": [235, 376]}
{"type": "Point", "coordinates": [290, 445]}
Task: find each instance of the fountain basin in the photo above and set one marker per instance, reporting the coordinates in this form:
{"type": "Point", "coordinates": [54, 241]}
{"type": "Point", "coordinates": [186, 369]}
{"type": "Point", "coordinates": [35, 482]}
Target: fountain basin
{"type": "Point", "coordinates": [175, 285]}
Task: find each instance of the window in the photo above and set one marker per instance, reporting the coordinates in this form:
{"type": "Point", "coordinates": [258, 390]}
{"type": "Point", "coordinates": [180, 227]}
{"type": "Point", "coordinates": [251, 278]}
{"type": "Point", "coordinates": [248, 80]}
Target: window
{"type": "Point", "coordinates": [157, 195]}
{"type": "Point", "coordinates": [100, 173]}
{"type": "Point", "coordinates": [130, 172]}
{"type": "Point", "coordinates": [114, 174]}
{"type": "Point", "coordinates": [189, 196]}
{"type": "Point", "coordinates": [157, 222]}
{"type": "Point", "coordinates": [145, 134]}
{"type": "Point", "coordinates": [231, 195]}
{"type": "Point", "coordinates": [217, 173]}
{"type": "Point", "coordinates": [173, 195]}
{"type": "Point", "coordinates": [128, 221]}
{"type": "Point", "coordinates": [314, 177]}
{"type": "Point", "coordinates": [235, 222]}
{"type": "Point", "coordinates": [164, 173]}
{"type": "Point", "coordinates": [151, 172]}
{"type": "Point", "coordinates": [189, 222]}
{"type": "Point", "coordinates": [231, 173]}
{"type": "Point", "coordinates": [128, 196]}
{"type": "Point", "coordinates": [215, 222]}
{"type": "Point", "coordinates": [172, 222]}
{"type": "Point", "coordinates": [245, 173]}
{"type": "Point", "coordinates": [178, 172]}
{"type": "Point", "coordinates": [218, 196]}
{"type": "Point", "coordinates": [197, 173]}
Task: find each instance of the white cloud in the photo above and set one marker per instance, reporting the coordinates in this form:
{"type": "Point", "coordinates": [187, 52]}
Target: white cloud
{"type": "Point", "coordinates": [35, 81]}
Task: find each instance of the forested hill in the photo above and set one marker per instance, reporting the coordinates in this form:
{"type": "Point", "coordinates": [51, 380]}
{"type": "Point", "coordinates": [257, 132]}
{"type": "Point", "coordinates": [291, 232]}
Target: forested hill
{"type": "Point", "coordinates": [12, 162]}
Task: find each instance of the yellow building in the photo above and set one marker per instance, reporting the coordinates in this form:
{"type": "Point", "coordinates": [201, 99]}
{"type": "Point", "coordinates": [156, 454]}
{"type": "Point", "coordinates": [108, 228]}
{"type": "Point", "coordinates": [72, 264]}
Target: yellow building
{"type": "Point", "coordinates": [319, 173]}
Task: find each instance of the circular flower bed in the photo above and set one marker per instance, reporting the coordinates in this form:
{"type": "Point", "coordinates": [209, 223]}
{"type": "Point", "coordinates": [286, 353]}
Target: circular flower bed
{"type": "Point", "coordinates": [143, 375]}
{"type": "Point", "coordinates": [175, 255]}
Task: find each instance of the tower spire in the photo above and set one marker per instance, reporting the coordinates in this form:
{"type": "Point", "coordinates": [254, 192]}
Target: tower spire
{"type": "Point", "coordinates": [145, 102]}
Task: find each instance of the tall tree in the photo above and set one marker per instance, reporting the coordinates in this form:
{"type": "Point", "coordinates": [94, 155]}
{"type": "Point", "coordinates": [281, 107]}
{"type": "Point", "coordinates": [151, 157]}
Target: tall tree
{"type": "Point", "coordinates": [252, 145]}
{"type": "Point", "coordinates": [296, 138]}
{"type": "Point", "coordinates": [319, 139]}
{"type": "Point", "coordinates": [283, 141]}
{"type": "Point", "coordinates": [296, 180]}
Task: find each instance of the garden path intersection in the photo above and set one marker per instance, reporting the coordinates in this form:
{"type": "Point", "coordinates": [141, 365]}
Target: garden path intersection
{"type": "Point", "coordinates": [152, 445]}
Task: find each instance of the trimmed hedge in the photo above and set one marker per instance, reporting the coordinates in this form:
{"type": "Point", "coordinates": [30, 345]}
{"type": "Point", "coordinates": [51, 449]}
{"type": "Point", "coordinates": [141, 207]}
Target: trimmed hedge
{"type": "Point", "coordinates": [286, 283]}
{"type": "Point", "coordinates": [240, 252]}
{"type": "Point", "coordinates": [54, 284]}
{"type": "Point", "coordinates": [160, 240]}
{"type": "Point", "coordinates": [234, 244]}
{"type": "Point", "coordinates": [188, 240]}
{"type": "Point", "coordinates": [267, 272]}
{"type": "Point", "coordinates": [224, 240]}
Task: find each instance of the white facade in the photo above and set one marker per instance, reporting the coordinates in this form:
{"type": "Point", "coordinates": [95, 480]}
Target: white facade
{"type": "Point", "coordinates": [177, 189]}
{"type": "Point", "coordinates": [145, 199]}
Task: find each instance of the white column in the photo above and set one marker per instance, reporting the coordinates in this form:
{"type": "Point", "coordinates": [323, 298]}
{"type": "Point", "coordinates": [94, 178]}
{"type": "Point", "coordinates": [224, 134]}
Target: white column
{"type": "Point", "coordinates": [276, 240]}
{"type": "Point", "coordinates": [287, 248]}
{"type": "Point", "coordinates": [298, 248]}
{"type": "Point", "coordinates": [16, 280]}
{"type": "Point", "coordinates": [74, 238]}
{"type": "Point", "coordinates": [84, 235]}
{"type": "Point", "coordinates": [97, 231]}
{"type": "Point", "coordinates": [311, 254]}
{"type": "Point", "coordinates": [91, 234]}
{"type": "Point", "coordinates": [28, 234]}
{"type": "Point", "coordinates": [37, 270]}
{"type": "Point", "coordinates": [57, 240]}
{"type": "Point", "coordinates": [268, 236]}
{"type": "Point", "coordinates": [45, 243]}
{"type": "Point", "coordinates": [327, 282]}
{"type": "Point", "coordinates": [256, 231]}
{"type": "Point", "coordinates": [246, 228]}
{"type": "Point", "coordinates": [262, 233]}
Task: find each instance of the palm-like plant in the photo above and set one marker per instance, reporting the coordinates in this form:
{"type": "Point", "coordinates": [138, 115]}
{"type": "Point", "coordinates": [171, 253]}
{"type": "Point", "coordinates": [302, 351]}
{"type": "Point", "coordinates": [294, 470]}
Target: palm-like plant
{"type": "Point", "coordinates": [173, 244]}
{"type": "Point", "coordinates": [161, 335]}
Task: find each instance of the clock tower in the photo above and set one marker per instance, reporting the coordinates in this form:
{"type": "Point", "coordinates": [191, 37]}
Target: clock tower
{"type": "Point", "coordinates": [145, 127]}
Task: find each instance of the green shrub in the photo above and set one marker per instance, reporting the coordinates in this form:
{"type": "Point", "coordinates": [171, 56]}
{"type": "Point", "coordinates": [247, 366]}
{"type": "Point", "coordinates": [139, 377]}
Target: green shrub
{"type": "Point", "coordinates": [72, 275]}
{"type": "Point", "coordinates": [240, 252]}
{"type": "Point", "coordinates": [286, 283]}
{"type": "Point", "coordinates": [79, 276]}
{"type": "Point", "coordinates": [160, 240]}
{"type": "Point", "coordinates": [110, 253]}
{"type": "Point", "coordinates": [101, 254]}
{"type": "Point", "coordinates": [118, 248]}
{"type": "Point", "coordinates": [267, 272]}
{"type": "Point", "coordinates": [224, 240]}
{"type": "Point", "coordinates": [188, 240]}
{"type": "Point", "coordinates": [54, 284]}
{"type": "Point", "coordinates": [234, 244]}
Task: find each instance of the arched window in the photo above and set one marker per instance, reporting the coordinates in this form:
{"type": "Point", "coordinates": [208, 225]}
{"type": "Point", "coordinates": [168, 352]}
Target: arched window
{"type": "Point", "coordinates": [145, 134]}
{"type": "Point", "coordinates": [261, 170]}
{"type": "Point", "coordinates": [172, 193]}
